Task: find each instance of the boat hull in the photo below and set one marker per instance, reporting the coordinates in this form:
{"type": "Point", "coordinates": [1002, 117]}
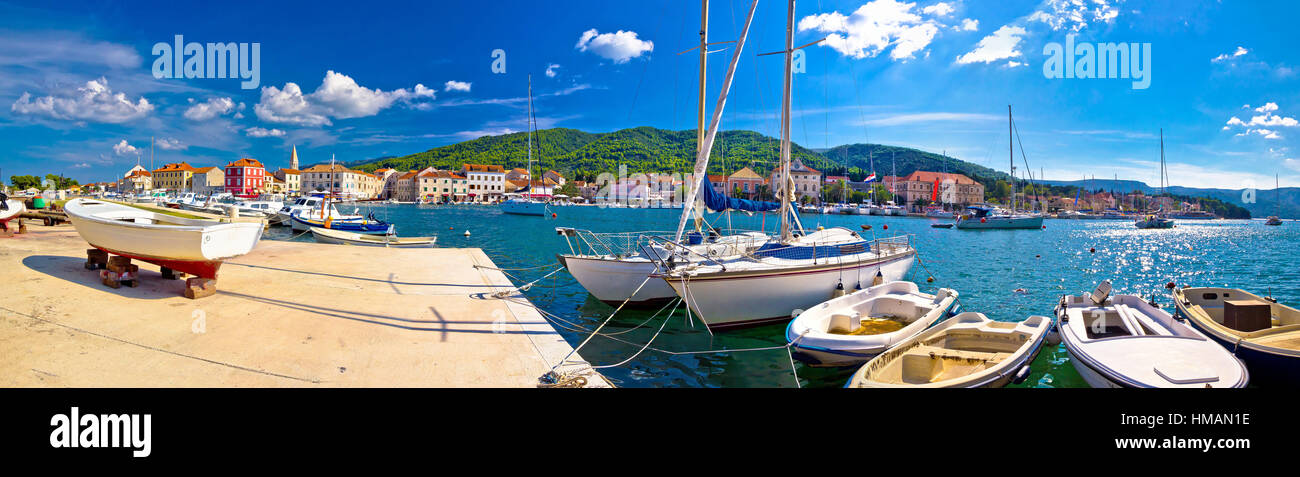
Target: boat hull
{"type": "Point", "coordinates": [728, 299]}
{"type": "Point", "coordinates": [614, 281]}
{"type": "Point", "coordinates": [1001, 223]}
{"type": "Point", "coordinates": [16, 207]}
{"type": "Point", "coordinates": [1269, 366]}
{"type": "Point", "coordinates": [350, 238]}
{"type": "Point", "coordinates": [513, 207]}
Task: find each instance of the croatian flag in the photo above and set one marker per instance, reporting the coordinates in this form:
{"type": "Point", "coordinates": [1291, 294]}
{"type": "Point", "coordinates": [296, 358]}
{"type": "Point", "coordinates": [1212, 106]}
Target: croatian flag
{"type": "Point", "coordinates": [870, 178]}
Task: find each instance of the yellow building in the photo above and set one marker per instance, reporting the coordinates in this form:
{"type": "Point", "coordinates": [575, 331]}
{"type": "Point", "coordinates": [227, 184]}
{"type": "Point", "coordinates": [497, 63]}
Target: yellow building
{"type": "Point", "coordinates": [176, 177]}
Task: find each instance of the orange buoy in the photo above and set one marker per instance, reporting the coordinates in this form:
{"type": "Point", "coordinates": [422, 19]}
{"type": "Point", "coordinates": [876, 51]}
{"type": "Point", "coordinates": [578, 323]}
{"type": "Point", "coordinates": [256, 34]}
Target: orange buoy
{"type": "Point", "coordinates": [552, 215]}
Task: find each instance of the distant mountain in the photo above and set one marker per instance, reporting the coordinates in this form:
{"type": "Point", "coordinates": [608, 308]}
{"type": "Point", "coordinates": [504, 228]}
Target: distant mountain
{"type": "Point", "coordinates": [1265, 200]}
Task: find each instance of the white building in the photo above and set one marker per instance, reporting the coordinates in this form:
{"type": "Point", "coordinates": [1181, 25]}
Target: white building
{"type": "Point", "coordinates": [486, 182]}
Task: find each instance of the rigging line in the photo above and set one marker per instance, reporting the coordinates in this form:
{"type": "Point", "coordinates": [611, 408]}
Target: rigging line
{"type": "Point", "coordinates": [602, 325]}
{"type": "Point", "coordinates": [663, 325]}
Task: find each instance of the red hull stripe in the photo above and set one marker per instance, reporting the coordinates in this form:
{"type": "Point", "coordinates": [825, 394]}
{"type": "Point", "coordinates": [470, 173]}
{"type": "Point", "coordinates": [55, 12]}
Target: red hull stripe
{"type": "Point", "coordinates": [198, 269]}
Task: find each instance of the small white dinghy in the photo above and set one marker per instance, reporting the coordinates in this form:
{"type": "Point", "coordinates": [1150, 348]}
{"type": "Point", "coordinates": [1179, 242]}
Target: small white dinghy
{"type": "Point", "coordinates": [851, 329]}
{"type": "Point", "coordinates": [966, 351]}
{"type": "Point", "coordinates": [193, 246]}
{"type": "Point", "coordinates": [1123, 341]}
{"type": "Point", "coordinates": [389, 240]}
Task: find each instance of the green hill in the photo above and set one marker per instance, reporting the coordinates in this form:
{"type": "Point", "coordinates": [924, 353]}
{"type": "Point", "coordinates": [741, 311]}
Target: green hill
{"type": "Point", "coordinates": [584, 155]}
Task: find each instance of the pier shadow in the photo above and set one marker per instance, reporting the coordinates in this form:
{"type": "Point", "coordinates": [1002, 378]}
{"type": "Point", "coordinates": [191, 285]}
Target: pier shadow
{"type": "Point", "coordinates": [437, 325]}
{"type": "Point", "coordinates": [389, 281]}
{"type": "Point", "coordinates": [72, 270]}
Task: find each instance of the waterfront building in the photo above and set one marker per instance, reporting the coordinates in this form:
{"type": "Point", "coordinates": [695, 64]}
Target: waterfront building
{"type": "Point", "coordinates": [245, 177]}
{"type": "Point", "coordinates": [208, 180]}
{"type": "Point", "coordinates": [173, 177]}
{"type": "Point", "coordinates": [954, 189]}
{"type": "Point", "coordinates": [486, 182]}
{"type": "Point", "coordinates": [807, 181]}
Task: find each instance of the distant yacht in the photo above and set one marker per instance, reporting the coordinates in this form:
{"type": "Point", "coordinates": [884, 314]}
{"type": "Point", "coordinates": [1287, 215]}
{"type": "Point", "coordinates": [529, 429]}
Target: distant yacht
{"type": "Point", "coordinates": [523, 204]}
{"type": "Point", "coordinates": [1157, 221]}
{"type": "Point", "coordinates": [988, 217]}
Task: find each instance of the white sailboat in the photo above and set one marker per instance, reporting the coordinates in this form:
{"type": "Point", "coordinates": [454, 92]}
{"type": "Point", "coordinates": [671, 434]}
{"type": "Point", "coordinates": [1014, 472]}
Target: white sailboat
{"type": "Point", "coordinates": [519, 204]}
{"type": "Point", "coordinates": [616, 268]}
{"type": "Point", "coordinates": [796, 271]}
{"type": "Point", "coordinates": [1277, 190]}
{"type": "Point", "coordinates": [9, 209]}
{"type": "Point", "coordinates": [1157, 220]}
{"type": "Point", "coordinates": [985, 217]}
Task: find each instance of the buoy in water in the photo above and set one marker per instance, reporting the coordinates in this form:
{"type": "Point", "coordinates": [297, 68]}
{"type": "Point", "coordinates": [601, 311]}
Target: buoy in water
{"type": "Point", "coordinates": [467, 233]}
{"type": "Point", "coordinates": [1092, 250]}
{"type": "Point", "coordinates": [1170, 285]}
{"type": "Point", "coordinates": [552, 215]}
{"type": "Point", "coordinates": [866, 227]}
{"type": "Point", "coordinates": [929, 280]}
{"type": "Point", "coordinates": [886, 226]}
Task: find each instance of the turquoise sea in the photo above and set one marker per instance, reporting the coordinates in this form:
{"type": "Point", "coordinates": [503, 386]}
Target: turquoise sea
{"type": "Point", "coordinates": [985, 267]}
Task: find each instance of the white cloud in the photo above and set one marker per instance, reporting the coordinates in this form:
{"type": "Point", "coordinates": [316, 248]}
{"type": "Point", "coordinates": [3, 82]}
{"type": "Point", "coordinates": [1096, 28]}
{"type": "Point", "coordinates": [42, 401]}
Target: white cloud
{"type": "Point", "coordinates": [1262, 124]}
{"type": "Point", "coordinates": [93, 101]}
{"type": "Point", "coordinates": [941, 9]}
{"type": "Point", "coordinates": [83, 165]}
{"type": "Point", "coordinates": [873, 28]}
{"type": "Point", "coordinates": [550, 70]}
{"type": "Point", "coordinates": [209, 109]}
{"type": "Point", "coordinates": [969, 24]}
{"type": "Point", "coordinates": [1240, 51]}
{"type": "Point", "coordinates": [124, 149]}
{"type": "Point", "coordinates": [457, 86]}
{"type": "Point", "coordinates": [338, 97]}
{"type": "Point", "coordinates": [1000, 45]}
{"type": "Point", "coordinates": [263, 132]}
{"type": "Point", "coordinates": [619, 47]}
{"type": "Point", "coordinates": [1075, 15]}
{"type": "Point", "coordinates": [169, 144]}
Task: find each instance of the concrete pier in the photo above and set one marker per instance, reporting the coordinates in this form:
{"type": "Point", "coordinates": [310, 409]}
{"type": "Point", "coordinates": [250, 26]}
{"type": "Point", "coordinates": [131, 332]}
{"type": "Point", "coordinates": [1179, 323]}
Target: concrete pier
{"type": "Point", "coordinates": [288, 314]}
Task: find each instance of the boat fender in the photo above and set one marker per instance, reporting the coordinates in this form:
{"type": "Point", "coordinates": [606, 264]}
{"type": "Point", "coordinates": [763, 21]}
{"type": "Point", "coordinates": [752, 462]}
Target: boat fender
{"type": "Point", "coordinates": [1021, 375]}
{"type": "Point", "coordinates": [839, 290]}
{"type": "Point", "coordinates": [879, 279]}
{"type": "Point", "coordinates": [955, 310]}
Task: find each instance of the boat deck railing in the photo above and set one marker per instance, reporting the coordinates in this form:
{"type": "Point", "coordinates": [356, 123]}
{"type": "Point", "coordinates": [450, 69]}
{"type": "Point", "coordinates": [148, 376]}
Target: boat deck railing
{"type": "Point", "coordinates": [622, 244]}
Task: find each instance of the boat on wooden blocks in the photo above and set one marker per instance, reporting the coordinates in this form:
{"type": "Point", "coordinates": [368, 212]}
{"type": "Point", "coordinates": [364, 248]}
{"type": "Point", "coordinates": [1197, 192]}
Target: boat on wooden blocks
{"type": "Point", "coordinates": [193, 246]}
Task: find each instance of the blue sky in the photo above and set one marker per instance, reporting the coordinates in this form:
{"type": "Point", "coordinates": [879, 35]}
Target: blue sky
{"type": "Point", "coordinates": [374, 79]}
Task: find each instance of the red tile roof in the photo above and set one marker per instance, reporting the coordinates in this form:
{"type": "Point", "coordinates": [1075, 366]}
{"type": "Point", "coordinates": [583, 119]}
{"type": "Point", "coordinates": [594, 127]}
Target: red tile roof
{"type": "Point", "coordinates": [245, 162]}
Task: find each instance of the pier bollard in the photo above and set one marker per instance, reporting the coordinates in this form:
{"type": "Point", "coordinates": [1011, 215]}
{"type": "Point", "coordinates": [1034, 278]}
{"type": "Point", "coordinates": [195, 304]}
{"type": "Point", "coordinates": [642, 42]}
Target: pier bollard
{"type": "Point", "coordinates": [198, 287]}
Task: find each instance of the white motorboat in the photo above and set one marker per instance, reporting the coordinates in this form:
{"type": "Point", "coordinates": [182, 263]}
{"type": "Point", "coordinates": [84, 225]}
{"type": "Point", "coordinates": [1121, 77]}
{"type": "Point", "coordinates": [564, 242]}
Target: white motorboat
{"type": "Point", "coordinates": [895, 210]}
{"type": "Point", "coordinates": [312, 209]}
{"type": "Point", "coordinates": [983, 218]}
{"type": "Point", "coordinates": [192, 246]}
{"type": "Point", "coordinates": [872, 209]}
{"type": "Point", "coordinates": [389, 240]}
{"type": "Point", "coordinates": [1259, 330]}
{"type": "Point", "coordinates": [939, 213]}
{"type": "Point", "coordinates": [1123, 341]}
{"type": "Point", "coordinates": [1154, 222]}
{"type": "Point", "coordinates": [966, 351]}
{"type": "Point", "coordinates": [784, 277]}
{"type": "Point", "coordinates": [852, 329]}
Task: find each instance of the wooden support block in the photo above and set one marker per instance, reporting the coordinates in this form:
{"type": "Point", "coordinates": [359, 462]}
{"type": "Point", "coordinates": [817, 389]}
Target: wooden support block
{"type": "Point", "coordinates": [118, 260]}
{"type": "Point", "coordinates": [96, 259]}
{"type": "Point", "coordinates": [197, 287]}
{"type": "Point", "coordinates": [22, 227]}
{"type": "Point", "coordinates": [110, 279]}
{"type": "Point", "coordinates": [169, 274]}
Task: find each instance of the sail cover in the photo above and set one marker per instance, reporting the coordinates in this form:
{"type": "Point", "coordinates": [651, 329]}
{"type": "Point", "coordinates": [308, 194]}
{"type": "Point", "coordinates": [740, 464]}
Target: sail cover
{"type": "Point", "coordinates": [719, 202]}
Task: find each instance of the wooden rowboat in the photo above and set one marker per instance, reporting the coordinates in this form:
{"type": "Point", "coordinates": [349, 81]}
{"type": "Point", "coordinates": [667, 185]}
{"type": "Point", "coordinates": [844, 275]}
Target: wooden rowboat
{"type": "Point", "coordinates": [966, 351]}
{"type": "Point", "coordinates": [192, 246]}
{"type": "Point", "coordinates": [391, 241]}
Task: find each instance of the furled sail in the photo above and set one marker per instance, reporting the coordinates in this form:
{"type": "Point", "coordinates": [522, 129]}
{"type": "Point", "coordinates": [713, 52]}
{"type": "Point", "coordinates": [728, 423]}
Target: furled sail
{"type": "Point", "coordinates": [719, 202]}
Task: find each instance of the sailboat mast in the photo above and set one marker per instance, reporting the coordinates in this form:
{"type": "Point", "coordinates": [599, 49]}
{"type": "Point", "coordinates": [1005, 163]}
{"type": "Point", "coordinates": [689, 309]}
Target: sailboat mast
{"type": "Point", "coordinates": [704, 60]}
{"type": "Point", "coordinates": [1011, 152]}
{"type": "Point", "coordinates": [785, 125]}
{"type": "Point", "coordinates": [529, 118]}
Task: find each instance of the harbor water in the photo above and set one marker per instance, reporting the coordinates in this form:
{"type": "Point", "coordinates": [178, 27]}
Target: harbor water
{"type": "Point", "coordinates": [1006, 274]}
